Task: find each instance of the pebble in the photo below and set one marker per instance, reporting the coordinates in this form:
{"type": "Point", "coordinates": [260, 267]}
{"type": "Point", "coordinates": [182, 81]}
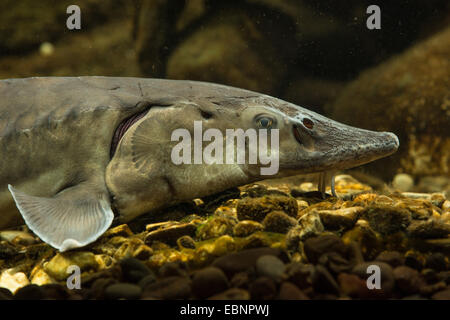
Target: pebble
{"type": "Point", "coordinates": [240, 280]}
{"type": "Point", "coordinates": [300, 274]}
{"type": "Point", "coordinates": [278, 221]}
{"type": "Point", "coordinates": [186, 242]}
{"type": "Point", "coordinates": [437, 261]}
{"type": "Point", "coordinates": [247, 227]}
{"type": "Point", "coordinates": [430, 228]}
{"type": "Point", "coordinates": [363, 235]}
{"type": "Point", "coordinates": [216, 227]}
{"type": "Point", "coordinates": [29, 292]}
{"type": "Point", "coordinates": [353, 286]}
{"type": "Point", "coordinates": [289, 291]}
{"type": "Point", "coordinates": [315, 247]}
{"type": "Point", "coordinates": [309, 225]}
{"type": "Point", "coordinates": [335, 263]}
{"type": "Point", "coordinates": [387, 219]}
{"type": "Point", "coordinates": [442, 295]}
{"type": "Point", "coordinates": [173, 268]}
{"type": "Point", "coordinates": [340, 219]}
{"type": "Point", "coordinates": [209, 281]}
{"type": "Point", "coordinates": [18, 237]}
{"type": "Point", "coordinates": [263, 288]}
{"type": "Point", "coordinates": [256, 209]}
{"type": "Point", "coordinates": [147, 280]}
{"type": "Point", "coordinates": [58, 265]}
{"type": "Point", "coordinates": [123, 290]}
{"type": "Point", "coordinates": [133, 270]}
{"type": "Point", "coordinates": [97, 289]}
{"type": "Point", "coordinates": [414, 260]}
{"type": "Point", "coordinates": [270, 266]}
{"type": "Point", "coordinates": [243, 260]}
{"type": "Point", "coordinates": [232, 294]}
{"type": "Point", "coordinates": [122, 230]}
{"type": "Point", "coordinates": [40, 277]}
{"type": "Point", "coordinates": [7, 250]}
{"type": "Point", "coordinates": [323, 281]}
{"type": "Point", "coordinates": [169, 288]}
{"type": "Point", "coordinates": [5, 294]}
{"type": "Point", "coordinates": [55, 291]}
{"type": "Point", "coordinates": [13, 280]}
{"type": "Point", "coordinates": [408, 280]}
{"type": "Point", "coordinates": [393, 258]}
{"type": "Point", "coordinates": [387, 276]}
{"type": "Point", "coordinates": [403, 182]}
{"type": "Point", "coordinates": [170, 234]}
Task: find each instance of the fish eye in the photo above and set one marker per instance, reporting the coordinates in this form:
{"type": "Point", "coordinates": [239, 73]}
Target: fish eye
{"type": "Point", "coordinates": [265, 122]}
{"type": "Point", "coordinates": [308, 123]}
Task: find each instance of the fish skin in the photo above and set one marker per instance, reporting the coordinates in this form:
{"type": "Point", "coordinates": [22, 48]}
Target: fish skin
{"type": "Point", "coordinates": [41, 154]}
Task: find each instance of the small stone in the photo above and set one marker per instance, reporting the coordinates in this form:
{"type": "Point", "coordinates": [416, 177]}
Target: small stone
{"type": "Point", "coordinates": [57, 267]}
{"type": "Point", "coordinates": [128, 248]}
{"type": "Point", "coordinates": [414, 260]}
{"type": "Point", "coordinates": [437, 261]}
{"type": "Point", "coordinates": [256, 209]}
{"type": "Point", "coordinates": [7, 250]}
{"type": "Point", "coordinates": [289, 291]}
{"type": "Point", "coordinates": [323, 281]}
{"type": "Point", "coordinates": [223, 245]}
{"type": "Point", "coordinates": [143, 252]}
{"type": "Point", "coordinates": [133, 270]}
{"type": "Point", "coordinates": [442, 295]}
{"type": "Point", "coordinates": [335, 263]}
{"type": "Point", "coordinates": [216, 227]}
{"type": "Point", "coordinates": [122, 230]}
{"type": "Point", "coordinates": [13, 280]}
{"type": "Point", "coordinates": [97, 290]}
{"type": "Point", "coordinates": [243, 260]}
{"type": "Point", "coordinates": [309, 225]}
{"type": "Point", "coordinates": [55, 291]}
{"type": "Point", "coordinates": [40, 277]}
{"type": "Point", "coordinates": [353, 286]}
{"type": "Point", "coordinates": [315, 247]}
{"type": "Point", "coordinates": [444, 276]}
{"type": "Point", "coordinates": [173, 268]}
{"type": "Point", "coordinates": [209, 281]}
{"type": "Point", "coordinates": [5, 294]}
{"type": "Point", "coordinates": [428, 290]}
{"type": "Point", "coordinates": [256, 240]}
{"type": "Point", "coordinates": [408, 280]}
{"type": "Point", "coordinates": [386, 272]}
{"type": "Point", "coordinates": [240, 280]}
{"type": "Point", "coordinates": [446, 205]}
{"type": "Point", "coordinates": [263, 288]}
{"type": "Point", "coordinates": [186, 242]}
{"type": "Point", "coordinates": [147, 280]}
{"type": "Point", "coordinates": [278, 221]}
{"type": "Point", "coordinates": [247, 227]}
{"type": "Point", "coordinates": [270, 266]}
{"type": "Point", "coordinates": [430, 228]}
{"type": "Point", "coordinates": [232, 294]}
{"type": "Point", "coordinates": [29, 292]}
{"type": "Point", "coordinates": [300, 274]}
{"type": "Point", "coordinates": [387, 219]}
{"type": "Point", "coordinates": [18, 237]}
{"type": "Point", "coordinates": [340, 219]}
{"type": "Point", "coordinates": [122, 290]}
{"type": "Point", "coordinates": [403, 182]}
{"type": "Point", "coordinates": [170, 234]}
{"type": "Point", "coordinates": [393, 258]}
{"type": "Point", "coordinates": [169, 288]}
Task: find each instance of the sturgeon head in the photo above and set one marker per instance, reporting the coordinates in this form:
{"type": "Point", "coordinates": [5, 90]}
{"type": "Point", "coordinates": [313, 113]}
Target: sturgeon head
{"type": "Point", "coordinates": [143, 175]}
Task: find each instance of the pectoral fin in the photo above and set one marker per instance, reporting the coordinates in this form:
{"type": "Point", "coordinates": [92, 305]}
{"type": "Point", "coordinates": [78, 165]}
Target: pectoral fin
{"type": "Point", "coordinates": [72, 219]}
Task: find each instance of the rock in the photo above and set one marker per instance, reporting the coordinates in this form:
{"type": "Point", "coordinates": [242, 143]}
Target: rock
{"type": "Point", "coordinates": [13, 280]}
{"type": "Point", "coordinates": [353, 286]}
{"type": "Point", "coordinates": [340, 219]}
{"type": "Point", "coordinates": [171, 234]}
{"type": "Point", "coordinates": [142, 252]}
{"type": "Point", "coordinates": [413, 86]}
{"type": "Point", "coordinates": [122, 230]}
{"type": "Point", "coordinates": [270, 266]}
{"type": "Point", "coordinates": [223, 245]}
{"type": "Point", "coordinates": [444, 276]}
{"type": "Point", "coordinates": [387, 219]}
{"type": "Point", "coordinates": [289, 291]}
{"type": "Point", "coordinates": [243, 260]}
{"type": "Point", "coordinates": [173, 268]}
{"type": "Point", "coordinates": [323, 281]}
{"type": "Point", "coordinates": [387, 282]}
{"type": "Point", "coordinates": [428, 290]}
{"type": "Point", "coordinates": [240, 280]}
{"type": "Point", "coordinates": [216, 227]}
{"type": "Point", "coordinates": [39, 277]}
{"type": "Point", "coordinates": [430, 228]}
{"type": "Point", "coordinates": [442, 295]}
{"type": "Point", "coordinates": [414, 260]}
{"type": "Point", "coordinates": [367, 240]}
{"type": "Point", "coordinates": [278, 221]}
{"type": "Point", "coordinates": [57, 267]}
{"type": "Point", "coordinates": [133, 270]}
{"type": "Point", "coordinates": [300, 274]}
{"type": "Point", "coordinates": [147, 280]}
{"type": "Point", "coordinates": [247, 227]}
{"type": "Point", "coordinates": [309, 225]}
{"type": "Point", "coordinates": [97, 289]}
{"type": "Point", "coordinates": [7, 250]}
{"type": "Point", "coordinates": [408, 280]}
{"type": "Point", "coordinates": [209, 281]}
{"type": "Point", "coordinates": [437, 261]}
{"type": "Point", "coordinates": [168, 288]}
{"type": "Point", "coordinates": [403, 182]}
{"type": "Point", "coordinates": [130, 248]}
{"type": "Point", "coordinates": [122, 290]}
{"type": "Point", "coordinates": [18, 237]}
{"type": "Point", "coordinates": [263, 288]}
{"type": "Point", "coordinates": [5, 294]}
{"type": "Point", "coordinates": [232, 294]}
{"type": "Point", "coordinates": [29, 292]}
{"type": "Point", "coordinates": [55, 291]}
{"type": "Point", "coordinates": [393, 258]}
{"type": "Point", "coordinates": [257, 240]}
{"type": "Point", "coordinates": [315, 247]}
{"type": "Point", "coordinates": [256, 209]}
{"type": "Point", "coordinates": [335, 263]}
{"type": "Point", "coordinates": [185, 242]}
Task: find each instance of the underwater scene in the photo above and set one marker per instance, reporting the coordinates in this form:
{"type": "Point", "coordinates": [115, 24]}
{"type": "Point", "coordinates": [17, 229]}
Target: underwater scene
{"type": "Point", "coordinates": [224, 150]}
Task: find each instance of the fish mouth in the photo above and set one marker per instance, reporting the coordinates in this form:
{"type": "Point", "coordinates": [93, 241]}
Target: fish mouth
{"type": "Point", "coordinates": [296, 131]}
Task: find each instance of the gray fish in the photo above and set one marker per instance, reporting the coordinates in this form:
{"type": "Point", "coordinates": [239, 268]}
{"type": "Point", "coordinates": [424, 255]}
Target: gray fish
{"type": "Point", "coordinates": [74, 151]}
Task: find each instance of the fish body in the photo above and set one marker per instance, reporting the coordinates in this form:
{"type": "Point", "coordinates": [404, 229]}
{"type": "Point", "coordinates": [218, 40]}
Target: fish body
{"type": "Point", "coordinates": [75, 151]}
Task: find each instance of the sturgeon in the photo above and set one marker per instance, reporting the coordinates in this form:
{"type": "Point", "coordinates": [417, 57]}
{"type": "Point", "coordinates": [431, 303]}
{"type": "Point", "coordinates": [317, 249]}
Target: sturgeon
{"type": "Point", "coordinates": [76, 151]}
